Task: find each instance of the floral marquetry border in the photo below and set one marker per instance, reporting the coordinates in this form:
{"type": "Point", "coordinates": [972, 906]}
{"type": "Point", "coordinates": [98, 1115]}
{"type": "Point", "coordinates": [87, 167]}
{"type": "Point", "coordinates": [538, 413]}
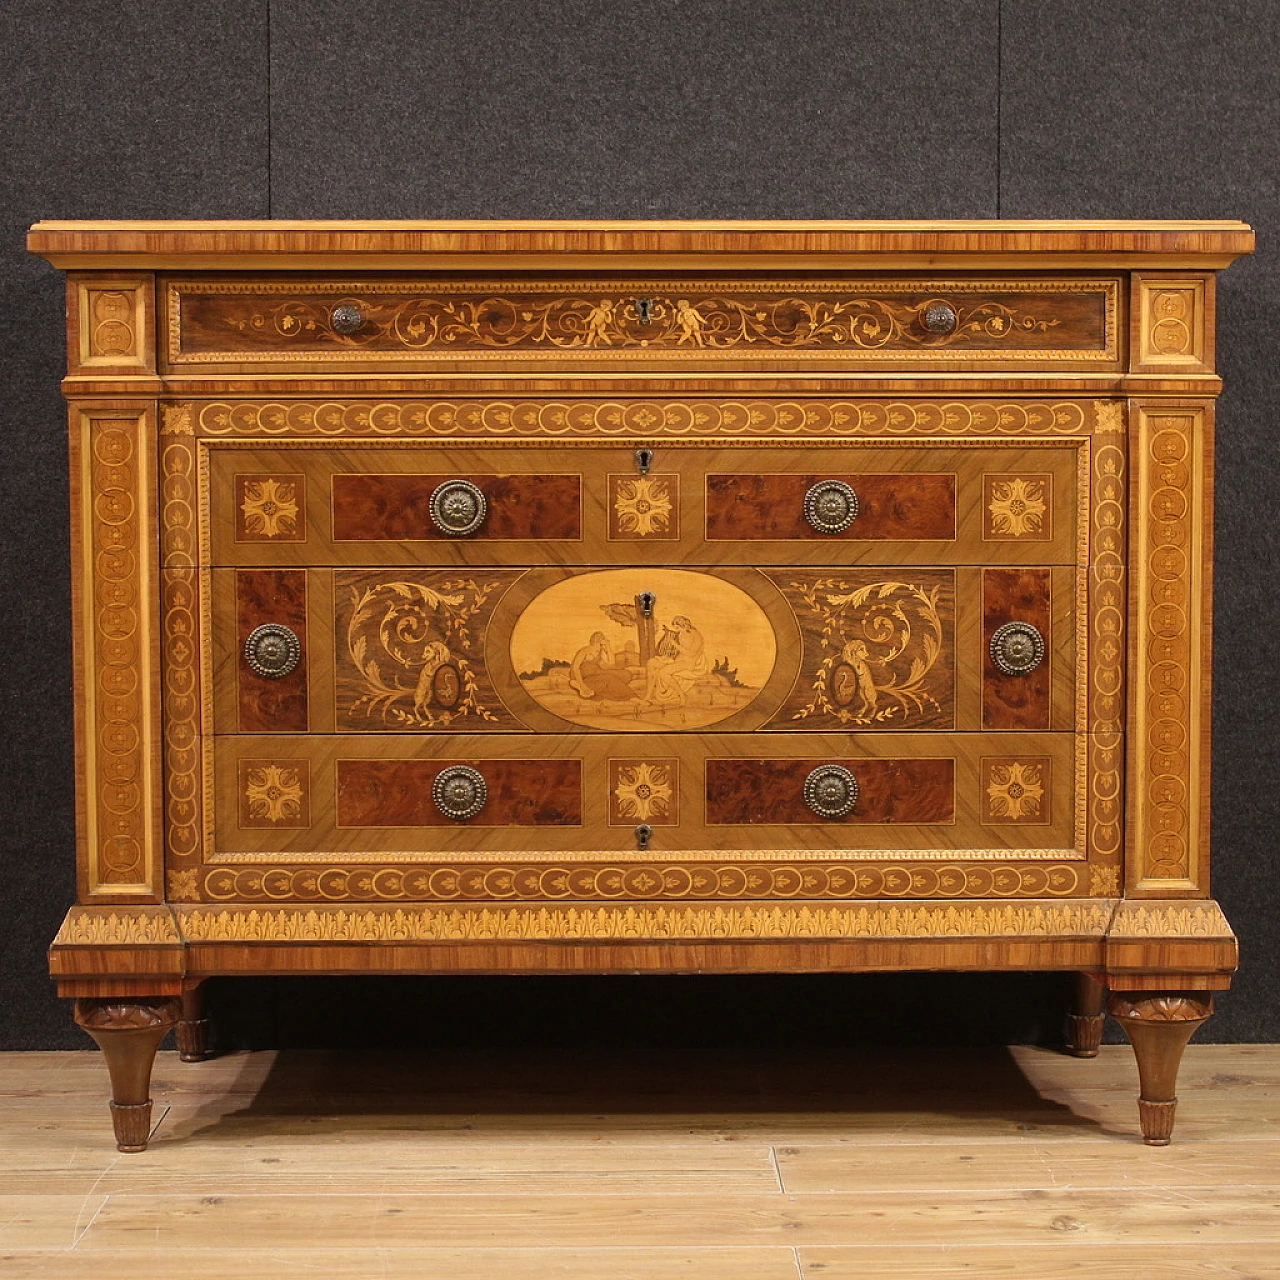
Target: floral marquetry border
{"type": "Point", "coordinates": [693, 418]}
{"type": "Point", "coordinates": [642, 922]}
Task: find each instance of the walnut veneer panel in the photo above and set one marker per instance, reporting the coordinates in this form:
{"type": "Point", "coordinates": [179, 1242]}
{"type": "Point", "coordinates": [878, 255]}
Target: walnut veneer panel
{"type": "Point", "coordinates": [647, 647]}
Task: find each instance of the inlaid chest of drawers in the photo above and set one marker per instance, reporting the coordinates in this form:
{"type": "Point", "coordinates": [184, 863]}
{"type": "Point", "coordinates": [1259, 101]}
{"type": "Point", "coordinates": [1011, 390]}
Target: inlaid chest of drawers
{"type": "Point", "coordinates": [641, 597]}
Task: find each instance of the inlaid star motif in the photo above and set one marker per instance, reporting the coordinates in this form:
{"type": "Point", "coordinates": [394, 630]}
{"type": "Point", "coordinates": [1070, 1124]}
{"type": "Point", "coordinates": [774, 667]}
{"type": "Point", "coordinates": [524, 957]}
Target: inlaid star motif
{"type": "Point", "coordinates": [1017, 507]}
{"type": "Point", "coordinates": [1015, 790]}
{"type": "Point", "coordinates": [644, 791]}
{"type": "Point", "coordinates": [270, 507]}
{"type": "Point", "coordinates": [274, 793]}
{"type": "Point", "coordinates": [643, 506]}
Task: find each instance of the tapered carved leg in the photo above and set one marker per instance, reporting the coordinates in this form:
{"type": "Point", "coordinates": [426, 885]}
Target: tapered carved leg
{"type": "Point", "coordinates": [1084, 1022]}
{"type": "Point", "coordinates": [193, 1027]}
{"type": "Point", "coordinates": [128, 1030]}
{"type": "Point", "coordinates": [1159, 1024]}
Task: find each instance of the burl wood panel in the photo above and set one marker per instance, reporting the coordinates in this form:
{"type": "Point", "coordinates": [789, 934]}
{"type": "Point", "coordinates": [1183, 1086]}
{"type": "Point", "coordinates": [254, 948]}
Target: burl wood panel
{"type": "Point", "coordinates": [746, 507]}
{"type": "Point", "coordinates": [878, 649]}
{"type": "Point", "coordinates": [397, 793]}
{"type": "Point", "coordinates": [688, 319]}
{"type": "Point", "coordinates": [271, 595]}
{"type": "Point", "coordinates": [1016, 595]}
{"type": "Point", "coordinates": [396, 508]}
{"type": "Point", "coordinates": [772, 791]}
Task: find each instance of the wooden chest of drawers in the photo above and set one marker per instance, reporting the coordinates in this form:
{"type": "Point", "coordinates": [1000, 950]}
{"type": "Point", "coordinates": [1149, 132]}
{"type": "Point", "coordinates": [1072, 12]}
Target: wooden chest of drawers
{"type": "Point", "coordinates": [641, 597]}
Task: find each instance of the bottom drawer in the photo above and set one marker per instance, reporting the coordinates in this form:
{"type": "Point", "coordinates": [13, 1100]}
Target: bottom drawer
{"type": "Point", "coordinates": [578, 797]}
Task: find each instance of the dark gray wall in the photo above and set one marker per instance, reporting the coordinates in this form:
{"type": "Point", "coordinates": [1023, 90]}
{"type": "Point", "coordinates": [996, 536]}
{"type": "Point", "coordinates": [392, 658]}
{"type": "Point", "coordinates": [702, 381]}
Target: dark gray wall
{"type": "Point", "coordinates": [593, 108]}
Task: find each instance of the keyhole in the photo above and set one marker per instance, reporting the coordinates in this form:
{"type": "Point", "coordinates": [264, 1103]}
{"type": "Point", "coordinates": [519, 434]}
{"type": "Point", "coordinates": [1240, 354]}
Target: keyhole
{"type": "Point", "coordinates": [644, 309]}
{"type": "Point", "coordinates": [644, 833]}
{"type": "Point", "coordinates": [646, 600]}
{"type": "Point", "coordinates": [644, 460]}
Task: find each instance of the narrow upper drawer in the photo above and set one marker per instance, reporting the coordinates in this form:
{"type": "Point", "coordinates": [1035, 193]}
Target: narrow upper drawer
{"type": "Point", "coordinates": [526, 322]}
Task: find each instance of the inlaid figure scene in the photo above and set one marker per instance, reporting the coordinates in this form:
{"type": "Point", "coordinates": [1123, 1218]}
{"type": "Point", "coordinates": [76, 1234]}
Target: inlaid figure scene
{"type": "Point", "coordinates": [643, 649]}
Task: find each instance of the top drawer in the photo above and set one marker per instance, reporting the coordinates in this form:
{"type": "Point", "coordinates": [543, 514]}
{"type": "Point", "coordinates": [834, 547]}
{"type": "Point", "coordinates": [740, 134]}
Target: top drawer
{"type": "Point", "coordinates": [547, 323]}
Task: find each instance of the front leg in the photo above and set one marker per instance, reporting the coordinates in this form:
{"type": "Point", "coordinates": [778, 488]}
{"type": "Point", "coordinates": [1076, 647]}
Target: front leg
{"type": "Point", "coordinates": [1159, 1024]}
{"type": "Point", "coordinates": [128, 1030]}
{"type": "Point", "coordinates": [1084, 1022]}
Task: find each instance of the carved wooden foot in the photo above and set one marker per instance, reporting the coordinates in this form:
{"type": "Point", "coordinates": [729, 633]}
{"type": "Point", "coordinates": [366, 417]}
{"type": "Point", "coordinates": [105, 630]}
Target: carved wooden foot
{"type": "Point", "coordinates": [1159, 1024]}
{"type": "Point", "coordinates": [1084, 1023]}
{"type": "Point", "coordinates": [193, 1027]}
{"type": "Point", "coordinates": [128, 1030]}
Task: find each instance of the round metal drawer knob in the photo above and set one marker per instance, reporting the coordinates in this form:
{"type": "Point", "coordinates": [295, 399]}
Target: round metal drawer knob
{"type": "Point", "coordinates": [272, 650]}
{"type": "Point", "coordinates": [459, 792]}
{"type": "Point", "coordinates": [346, 318]}
{"type": "Point", "coordinates": [939, 318]}
{"type": "Point", "coordinates": [831, 506]}
{"type": "Point", "coordinates": [831, 791]}
{"type": "Point", "coordinates": [1017, 648]}
{"type": "Point", "coordinates": [458, 508]}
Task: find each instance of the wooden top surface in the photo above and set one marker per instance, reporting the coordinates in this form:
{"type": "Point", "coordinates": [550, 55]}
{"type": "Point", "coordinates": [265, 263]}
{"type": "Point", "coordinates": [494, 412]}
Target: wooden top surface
{"type": "Point", "coordinates": [632, 245]}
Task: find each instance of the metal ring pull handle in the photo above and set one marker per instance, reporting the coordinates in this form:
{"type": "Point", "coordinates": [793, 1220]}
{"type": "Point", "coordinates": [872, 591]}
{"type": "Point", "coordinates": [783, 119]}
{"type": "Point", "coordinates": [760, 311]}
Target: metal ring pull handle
{"type": "Point", "coordinates": [272, 650]}
{"type": "Point", "coordinates": [1017, 648]}
{"type": "Point", "coordinates": [459, 792]}
{"type": "Point", "coordinates": [458, 508]}
{"type": "Point", "coordinates": [831, 506]}
{"type": "Point", "coordinates": [831, 791]}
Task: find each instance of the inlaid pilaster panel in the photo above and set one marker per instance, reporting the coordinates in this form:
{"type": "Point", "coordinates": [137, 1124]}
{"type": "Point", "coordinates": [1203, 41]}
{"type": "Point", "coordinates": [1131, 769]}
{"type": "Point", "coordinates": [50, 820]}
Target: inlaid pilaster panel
{"type": "Point", "coordinates": [183, 598]}
{"type": "Point", "coordinates": [116, 543]}
{"type": "Point", "coordinates": [1171, 531]}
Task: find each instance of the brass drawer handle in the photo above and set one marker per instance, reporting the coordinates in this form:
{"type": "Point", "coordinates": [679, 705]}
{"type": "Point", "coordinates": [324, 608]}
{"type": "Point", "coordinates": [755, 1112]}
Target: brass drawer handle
{"type": "Point", "coordinates": [272, 650]}
{"type": "Point", "coordinates": [939, 318]}
{"type": "Point", "coordinates": [459, 792]}
{"type": "Point", "coordinates": [831, 506]}
{"type": "Point", "coordinates": [831, 791]}
{"type": "Point", "coordinates": [346, 318]}
{"type": "Point", "coordinates": [1017, 648]}
{"type": "Point", "coordinates": [458, 508]}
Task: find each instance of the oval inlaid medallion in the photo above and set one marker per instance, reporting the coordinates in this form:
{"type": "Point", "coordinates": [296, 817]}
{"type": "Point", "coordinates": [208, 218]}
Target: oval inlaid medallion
{"type": "Point", "coordinates": [634, 650]}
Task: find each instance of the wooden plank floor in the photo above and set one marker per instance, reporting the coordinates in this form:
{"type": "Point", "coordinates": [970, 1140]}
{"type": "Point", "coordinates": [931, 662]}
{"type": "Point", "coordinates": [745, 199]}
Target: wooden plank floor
{"type": "Point", "coordinates": [729, 1165]}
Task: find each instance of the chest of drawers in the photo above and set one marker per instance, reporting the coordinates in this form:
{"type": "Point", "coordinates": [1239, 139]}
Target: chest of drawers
{"type": "Point", "coordinates": [629, 597]}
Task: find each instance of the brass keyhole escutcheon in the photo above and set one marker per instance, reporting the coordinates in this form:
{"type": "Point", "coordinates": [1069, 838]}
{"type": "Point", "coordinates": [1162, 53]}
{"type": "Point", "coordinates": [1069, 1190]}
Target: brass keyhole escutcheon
{"type": "Point", "coordinates": [272, 650]}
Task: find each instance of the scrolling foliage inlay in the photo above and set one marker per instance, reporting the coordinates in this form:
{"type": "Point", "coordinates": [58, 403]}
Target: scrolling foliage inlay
{"type": "Point", "coordinates": [411, 650]}
{"type": "Point", "coordinates": [878, 653]}
{"type": "Point", "coordinates": [1027, 319]}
